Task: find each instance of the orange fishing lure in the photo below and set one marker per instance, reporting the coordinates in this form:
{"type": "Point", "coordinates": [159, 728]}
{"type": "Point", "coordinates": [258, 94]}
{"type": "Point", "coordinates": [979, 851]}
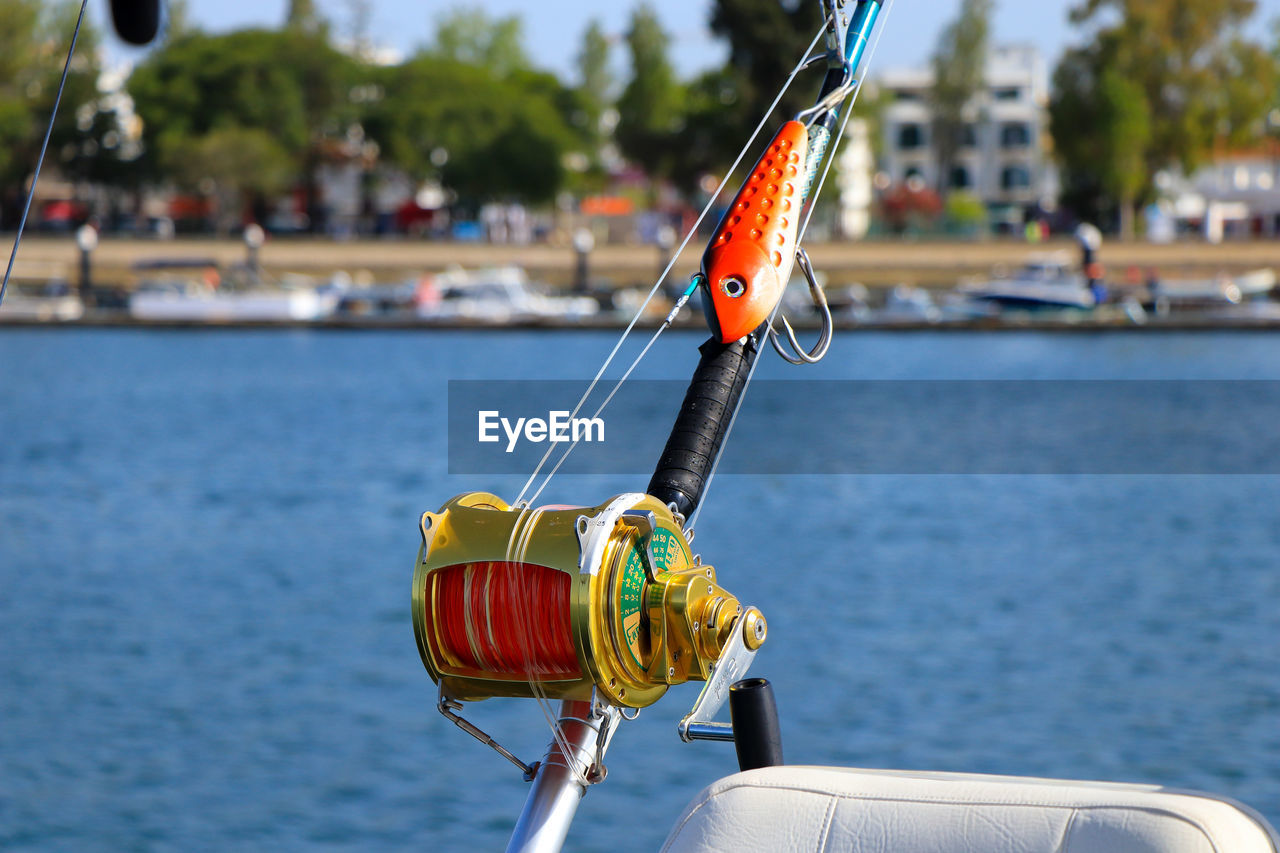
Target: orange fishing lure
{"type": "Point", "coordinates": [748, 264]}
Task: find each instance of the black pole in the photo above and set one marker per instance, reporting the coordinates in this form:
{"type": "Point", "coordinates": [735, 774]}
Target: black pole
{"type": "Point", "coordinates": [756, 734]}
{"type": "Point", "coordinates": [583, 243]}
{"type": "Point", "coordinates": [86, 275]}
{"type": "Point", "coordinates": [254, 237]}
{"type": "Point", "coordinates": [666, 241]}
{"type": "Point", "coordinates": [86, 242]}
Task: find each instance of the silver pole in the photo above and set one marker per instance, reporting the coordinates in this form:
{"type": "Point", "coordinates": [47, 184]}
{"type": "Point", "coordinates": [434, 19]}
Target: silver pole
{"type": "Point", "coordinates": [553, 800]}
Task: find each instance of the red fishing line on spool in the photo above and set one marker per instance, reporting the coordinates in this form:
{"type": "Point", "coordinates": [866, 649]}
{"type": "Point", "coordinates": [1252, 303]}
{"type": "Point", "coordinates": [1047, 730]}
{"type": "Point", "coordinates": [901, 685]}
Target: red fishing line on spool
{"type": "Point", "coordinates": [505, 618]}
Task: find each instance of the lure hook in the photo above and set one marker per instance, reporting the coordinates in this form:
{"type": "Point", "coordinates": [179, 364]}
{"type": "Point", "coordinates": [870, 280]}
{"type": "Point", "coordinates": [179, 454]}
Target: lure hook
{"type": "Point", "coordinates": [798, 355]}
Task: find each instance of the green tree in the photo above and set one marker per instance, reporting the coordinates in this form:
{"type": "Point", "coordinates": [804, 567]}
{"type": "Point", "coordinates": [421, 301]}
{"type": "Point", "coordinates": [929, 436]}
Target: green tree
{"type": "Point", "coordinates": [1105, 169]}
{"type": "Point", "coordinates": [1175, 51]}
{"type": "Point", "coordinates": [244, 166]}
{"type": "Point", "coordinates": [1074, 116]}
{"type": "Point", "coordinates": [19, 20]}
{"type": "Point", "coordinates": [177, 19]}
{"type": "Point", "coordinates": [595, 87]}
{"type": "Point", "coordinates": [485, 137]}
{"type": "Point", "coordinates": [290, 84]}
{"type": "Point", "coordinates": [471, 37]}
{"type": "Point", "coordinates": [1122, 131]}
{"type": "Point", "coordinates": [1073, 111]}
{"type": "Point", "coordinates": [1249, 77]}
{"type": "Point", "coordinates": [1156, 88]}
{"type": "Point", "coordinates": [766, 39]}
{"type": "Point", "coordinates": [959, 69]}
{"type": "Point", "coordinates": [713, 131]}
{"type": "Point", "coordinates": [304, 17]}
{"type": "Point", "coordinates": [650, 107]}
{"type": "Point", "coordinates": [34, 38]}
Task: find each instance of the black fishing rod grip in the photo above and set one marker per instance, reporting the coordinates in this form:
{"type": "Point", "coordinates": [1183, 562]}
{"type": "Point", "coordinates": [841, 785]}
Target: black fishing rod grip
{"type": "Point", "coordinates": [700, 427]}
{"type": "Point", "coordinates": [756, 734]}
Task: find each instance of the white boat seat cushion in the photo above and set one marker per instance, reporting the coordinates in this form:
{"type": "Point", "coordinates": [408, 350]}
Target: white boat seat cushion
{"type": "Point", "coordinates": [834, 810]}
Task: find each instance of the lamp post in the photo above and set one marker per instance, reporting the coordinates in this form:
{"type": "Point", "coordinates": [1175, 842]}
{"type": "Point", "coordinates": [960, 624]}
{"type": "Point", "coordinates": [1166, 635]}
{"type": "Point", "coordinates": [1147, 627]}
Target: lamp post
{"type": "Point", "coordinates": [86, 242]}
{"type": "Point", "coordinates": [583, 243]}
{"type": "Point", "coordinates": [666, 240]}
{"type": "Point", "coordinates": [254, 237]}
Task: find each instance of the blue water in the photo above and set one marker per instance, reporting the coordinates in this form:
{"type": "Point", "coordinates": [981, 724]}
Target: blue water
{"type": "Point", "coordinates": [206, 542]}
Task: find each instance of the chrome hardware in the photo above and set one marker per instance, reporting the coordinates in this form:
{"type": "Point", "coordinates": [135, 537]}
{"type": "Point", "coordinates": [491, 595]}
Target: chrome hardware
{"type": "Point", "coordinates": [449, 708]}
{"type": "Point", "coordinates": [733, 664]}
{"type": "Point", "coordinates": [833, 99]}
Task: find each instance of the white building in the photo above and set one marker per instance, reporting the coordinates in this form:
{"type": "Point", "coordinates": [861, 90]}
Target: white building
{"type": "Point", "coordinates": [1006, 156]}
{"type": "Point", "coordinates": [1237, 194]}
{"type": "Point", "coordinates": [853, 180]}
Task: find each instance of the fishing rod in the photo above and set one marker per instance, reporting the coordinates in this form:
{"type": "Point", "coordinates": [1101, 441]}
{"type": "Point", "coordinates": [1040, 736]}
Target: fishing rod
{"type": "Point", "coordinates": [605, 607]}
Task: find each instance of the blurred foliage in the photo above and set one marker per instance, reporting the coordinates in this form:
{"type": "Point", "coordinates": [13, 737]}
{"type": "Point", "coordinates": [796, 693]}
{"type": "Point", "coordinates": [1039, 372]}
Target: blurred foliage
{"type": "Point", "coordinates": [1157, 85]}
{"type": "Point", "coordinates": [252, 112]}
{"type": "Point", "coordinates": [20, 84]}
{"type": "Point", "coordinates": [959, 70]}
{"type": "Point", "coordinates": [595, 99]}
{"type": "Point", "coordinates": [470, 37]}
{"type": "Point", "coordinates": [1105, 169]}
{"type": "Point", "coordinates": [304, 17]}
{"type": "Point", "coordinates": [908, 208]}
{"type": "Point", "coordinates": [485, 137]}
{"type": "Point", "coordinates": [289, 84]}
{"type": "Point", "coordinates": [470, 111]}
{"type": "Point", "coordinates": [766, 39]}
{"type": "Point", "coordinates": [235, 165]}
{"type": "Point", "coordinates": [651, 106]}
{"type": "Point", "coordinates": [712, 133]}
{"type": "Point", "coordinates": [34, 38]}
{"type": "Point", "coordinates": [965, 211]}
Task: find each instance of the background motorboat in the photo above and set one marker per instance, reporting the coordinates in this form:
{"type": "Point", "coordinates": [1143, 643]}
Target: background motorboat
{"type": "Point", "coordinates": [1045, 281]}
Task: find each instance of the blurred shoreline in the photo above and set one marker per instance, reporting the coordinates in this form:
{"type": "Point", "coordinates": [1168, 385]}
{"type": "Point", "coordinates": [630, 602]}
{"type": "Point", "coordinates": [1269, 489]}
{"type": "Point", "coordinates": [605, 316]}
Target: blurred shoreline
{"type": "Point", "coordinates": [881, 263]}
{"type": "Point", "coordinates": [689, 319]}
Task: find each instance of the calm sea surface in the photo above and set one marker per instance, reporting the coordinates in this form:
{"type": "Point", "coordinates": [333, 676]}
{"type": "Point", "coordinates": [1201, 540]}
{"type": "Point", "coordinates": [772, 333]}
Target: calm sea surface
{"type": "Point", "coordinates": [206, 543]}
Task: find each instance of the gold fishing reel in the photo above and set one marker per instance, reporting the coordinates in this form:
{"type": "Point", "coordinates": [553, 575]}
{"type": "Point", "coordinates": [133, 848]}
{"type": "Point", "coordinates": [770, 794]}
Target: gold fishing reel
{"type": "Point", "coordinates": [558, 601]}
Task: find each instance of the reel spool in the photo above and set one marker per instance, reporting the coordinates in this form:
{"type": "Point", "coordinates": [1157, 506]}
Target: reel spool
{"type": "Point", "coordinates": [608, 598]}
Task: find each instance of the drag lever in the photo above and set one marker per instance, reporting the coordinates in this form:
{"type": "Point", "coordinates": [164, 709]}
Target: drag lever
{"type": "Point", "coordinates": [748, 633]}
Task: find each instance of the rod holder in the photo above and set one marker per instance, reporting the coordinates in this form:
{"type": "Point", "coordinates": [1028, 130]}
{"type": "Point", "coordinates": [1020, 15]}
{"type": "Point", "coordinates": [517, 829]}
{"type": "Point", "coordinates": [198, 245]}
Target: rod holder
{"type": "Point", "coordinates": [756, 734]}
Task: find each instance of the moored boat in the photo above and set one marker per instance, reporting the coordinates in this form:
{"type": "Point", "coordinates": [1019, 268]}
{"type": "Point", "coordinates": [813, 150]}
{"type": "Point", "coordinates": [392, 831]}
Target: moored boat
{"type": "Point", "coordinates": [191, 291]}
{"type": "Point", "coordinates": [48, 303]}
{"type": "Point", "coordinates": [1211, 292]}
{"type": "Point", "coordinates": [495, 295]}
{"type": "Point", "coordinates": [1044, 281]}
{"type": "Point", "coordinates": [40, 293]}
